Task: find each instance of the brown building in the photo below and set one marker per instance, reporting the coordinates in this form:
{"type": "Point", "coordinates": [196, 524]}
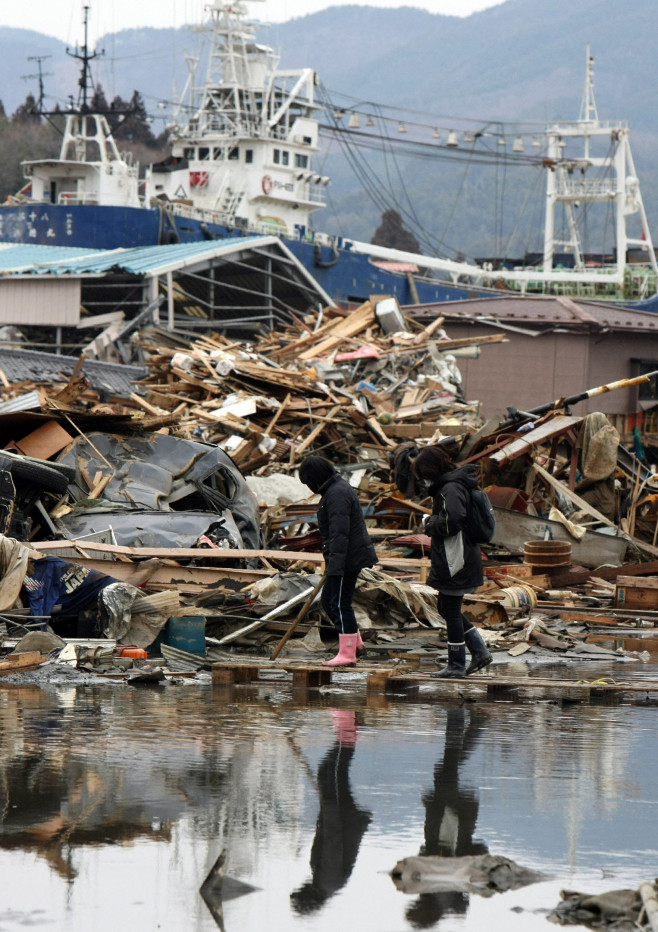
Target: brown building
{"type": "Point", "coordinates": [555, 348]}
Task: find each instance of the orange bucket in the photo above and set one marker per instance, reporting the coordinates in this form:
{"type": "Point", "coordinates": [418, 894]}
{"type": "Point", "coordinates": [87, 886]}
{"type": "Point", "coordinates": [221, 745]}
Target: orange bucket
{"type": "Point", "coordinates": [136, 653]}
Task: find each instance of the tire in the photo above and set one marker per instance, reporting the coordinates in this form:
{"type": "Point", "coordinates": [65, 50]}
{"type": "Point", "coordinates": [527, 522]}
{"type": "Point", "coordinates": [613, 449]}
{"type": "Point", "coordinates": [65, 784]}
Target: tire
{"type": "Point", "coordinates": [35, 471]}
{"type": "Point", "coordinates": [69, 471]}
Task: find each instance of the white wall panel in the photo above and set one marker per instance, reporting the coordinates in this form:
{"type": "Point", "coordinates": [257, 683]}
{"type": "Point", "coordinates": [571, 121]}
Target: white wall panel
{"type": "Point", "coordinates": [30, 301]}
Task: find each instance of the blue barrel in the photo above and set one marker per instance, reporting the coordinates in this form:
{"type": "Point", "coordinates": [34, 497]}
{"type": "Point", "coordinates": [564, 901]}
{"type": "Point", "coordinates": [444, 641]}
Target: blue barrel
{"type": "Point", "coordinates": [187, 632]}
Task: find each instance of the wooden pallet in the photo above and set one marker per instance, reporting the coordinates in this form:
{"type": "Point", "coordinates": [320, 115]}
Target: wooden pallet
{"type": "Point", "coordinates": [406, 680]}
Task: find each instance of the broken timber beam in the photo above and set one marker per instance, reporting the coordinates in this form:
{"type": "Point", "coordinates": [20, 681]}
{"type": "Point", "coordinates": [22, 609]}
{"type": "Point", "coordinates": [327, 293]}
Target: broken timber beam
{"type": "Point", "coordinates": [214, 556]}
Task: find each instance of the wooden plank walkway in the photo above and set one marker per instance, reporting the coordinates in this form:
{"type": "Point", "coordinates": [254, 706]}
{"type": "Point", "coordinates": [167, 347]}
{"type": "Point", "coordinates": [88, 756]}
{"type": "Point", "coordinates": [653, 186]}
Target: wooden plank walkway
{"type": "Point", "coordinates": [406, 679]}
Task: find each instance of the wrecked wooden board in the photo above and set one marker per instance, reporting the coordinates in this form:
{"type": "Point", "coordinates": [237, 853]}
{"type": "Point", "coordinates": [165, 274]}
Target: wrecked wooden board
{"type": "Point", "coordinates": [21, 663]}
{"type": "Point", "coordinates": [384, 678]}
{"type": "Point", "coordinates": [637, 592]}
{"type": "Point", "coordinates": [311, 384]}
{"type": "Point", "coordinates": [212, 556]}
{"type": "Point", "coordinates": [186, 579]}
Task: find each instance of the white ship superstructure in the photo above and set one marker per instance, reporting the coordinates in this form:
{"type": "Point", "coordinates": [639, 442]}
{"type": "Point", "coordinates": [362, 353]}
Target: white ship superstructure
{"type": "Point", "coordinates": [244, 151]}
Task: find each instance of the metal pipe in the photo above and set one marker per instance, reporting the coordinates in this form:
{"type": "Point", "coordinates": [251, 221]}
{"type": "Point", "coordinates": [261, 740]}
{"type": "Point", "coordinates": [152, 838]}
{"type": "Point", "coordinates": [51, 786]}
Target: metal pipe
{"type": "Point", "coordinates": [515, 415]}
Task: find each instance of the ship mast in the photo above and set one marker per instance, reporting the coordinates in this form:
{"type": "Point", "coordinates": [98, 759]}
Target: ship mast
{"type": "Point", "coordinates": [86, 81]}
{"type": "Point", "coordinates": [570, 182]}
{"type": "Point", "coordinates": [87, 135]}
{"type": "Point", "coordinates": [238, 82]}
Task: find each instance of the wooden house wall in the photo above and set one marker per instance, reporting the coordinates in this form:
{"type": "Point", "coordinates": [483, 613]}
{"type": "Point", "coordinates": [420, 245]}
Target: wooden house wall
{"type": "Point", "coordinates": [528, 371]}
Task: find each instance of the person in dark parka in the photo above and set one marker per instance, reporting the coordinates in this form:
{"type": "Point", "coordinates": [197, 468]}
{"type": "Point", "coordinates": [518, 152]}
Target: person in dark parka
{"type": "Point", "coordinates": [346, 547]}
{"type": "Point", "coordinates": [456, 561]}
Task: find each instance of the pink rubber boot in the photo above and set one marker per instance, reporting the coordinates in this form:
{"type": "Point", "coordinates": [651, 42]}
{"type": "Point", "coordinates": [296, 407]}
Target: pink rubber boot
{"type": "Point", "coordinates": [345, 722]}
{"type": "Point", "coordinates": [360, 649]}
{"type": "Point", "coordinates": [346, 656]}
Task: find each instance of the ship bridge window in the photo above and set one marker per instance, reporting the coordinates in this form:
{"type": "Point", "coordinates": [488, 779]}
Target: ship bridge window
{"type": "Point", "coordinates": [285, 157]}
{"type": "Point", "coordinates": [218, 155]}
{"type": "Point", "coordinates": [189, 153]}
{"type": "Point", "coordinates": [276, 158]}
{"type": "Point", "coordinates": [307, 140]}
{"type": "Point", "coordinates": [234, 153]}
{"type": "Point", "coordinates": [249, 156]}
{"type": "Point", "coordinates": [204, 153]}
{"type": "Point", "coordinates": [301, 161]}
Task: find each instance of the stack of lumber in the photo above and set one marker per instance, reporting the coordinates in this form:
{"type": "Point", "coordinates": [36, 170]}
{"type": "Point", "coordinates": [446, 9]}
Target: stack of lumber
{"type": "Point", "coordinates": [341, 385]}
{"type": "Point", "coordinates": [334, 383]}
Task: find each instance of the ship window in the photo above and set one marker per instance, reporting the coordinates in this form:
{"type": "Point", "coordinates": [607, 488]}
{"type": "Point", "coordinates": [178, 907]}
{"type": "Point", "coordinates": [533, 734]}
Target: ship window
{"type": "Point", "coordinates": [188, 153]}
{"type": "Point", "coordinates": [249, 155]}
{"type": "Point", "coordinates": [234, 153]}
{"type": "Point", "coordinates": [285, 157]}
{"type": "Point", "coordinates": [307, 140]}
{"type": "Point", "coordinates": [204, 153]}
{"type": "Point", "coordinates": [218, 154]}
{"type": "Point", "coordinates": [301, 161]}
{"type": "Point", "coordinates": [277, 156]}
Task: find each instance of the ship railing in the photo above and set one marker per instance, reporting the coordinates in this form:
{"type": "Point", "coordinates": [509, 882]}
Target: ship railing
{"type": "Point", "coordinates": [187, 210]}
{"type": "Point", "coordinates": [639, 282]}
{"type": "Point", "coordinates": [587, 188]}
{"type": "Point", "coordinates": [87, 199]}
{"type": "Point", "coordinates": [315, 195]}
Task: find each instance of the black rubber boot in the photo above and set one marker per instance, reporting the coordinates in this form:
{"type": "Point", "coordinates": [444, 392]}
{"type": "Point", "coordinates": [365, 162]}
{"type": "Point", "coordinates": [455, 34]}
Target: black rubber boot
{"type": "Point", "coordinates": [480, 656]}
{"type": "Point", "coordinates": [456, 662]}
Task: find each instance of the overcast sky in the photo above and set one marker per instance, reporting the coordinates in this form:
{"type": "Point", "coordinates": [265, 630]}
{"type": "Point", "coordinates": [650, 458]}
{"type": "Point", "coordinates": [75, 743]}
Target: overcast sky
{"type": "Point", "coordinates": [63, 18]}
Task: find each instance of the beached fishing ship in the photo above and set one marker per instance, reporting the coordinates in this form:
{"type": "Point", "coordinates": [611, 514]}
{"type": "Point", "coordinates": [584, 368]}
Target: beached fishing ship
{"type": "Point", "coordinates": [243, 142]}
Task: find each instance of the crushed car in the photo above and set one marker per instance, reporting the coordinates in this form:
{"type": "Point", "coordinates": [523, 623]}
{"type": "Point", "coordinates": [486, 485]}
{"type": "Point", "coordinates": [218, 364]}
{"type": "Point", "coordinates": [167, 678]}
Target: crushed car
{"type": "Point", "coordinates": [157, 491]}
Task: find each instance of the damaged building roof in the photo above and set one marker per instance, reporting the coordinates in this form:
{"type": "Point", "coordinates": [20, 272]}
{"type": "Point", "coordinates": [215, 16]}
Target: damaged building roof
{"type": "Point", "coordinates": [541, 311]}
{"type": "Point", "coordinates": [235, 282]}
{"type": "Point", "coordinates": [19, 365]}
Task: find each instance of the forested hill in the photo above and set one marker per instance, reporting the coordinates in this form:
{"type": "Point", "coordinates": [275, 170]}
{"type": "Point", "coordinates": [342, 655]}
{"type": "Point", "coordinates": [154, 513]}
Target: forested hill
{"type": "Point", "coordinates": [523, 59]}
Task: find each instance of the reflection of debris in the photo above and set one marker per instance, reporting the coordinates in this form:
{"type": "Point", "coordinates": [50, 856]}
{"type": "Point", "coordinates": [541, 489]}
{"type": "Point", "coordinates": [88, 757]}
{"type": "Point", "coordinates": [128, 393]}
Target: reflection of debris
{"type": "Point", "coordinates": [485, 874]}
{"type": "Point", "coordinates": [616, 911]}
{"type": "Point", "coordinates": [217, 888]}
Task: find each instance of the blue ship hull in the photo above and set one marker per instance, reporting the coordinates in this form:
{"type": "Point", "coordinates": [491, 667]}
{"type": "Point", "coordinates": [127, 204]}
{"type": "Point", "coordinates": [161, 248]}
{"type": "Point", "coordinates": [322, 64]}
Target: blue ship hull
{"type": "Point", "coordinates": [346, 276]}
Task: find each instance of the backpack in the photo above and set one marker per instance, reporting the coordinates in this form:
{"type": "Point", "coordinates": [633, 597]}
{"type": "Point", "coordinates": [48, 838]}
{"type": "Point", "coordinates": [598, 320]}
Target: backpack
{"type": "Point", "coordinates": [481, 520]}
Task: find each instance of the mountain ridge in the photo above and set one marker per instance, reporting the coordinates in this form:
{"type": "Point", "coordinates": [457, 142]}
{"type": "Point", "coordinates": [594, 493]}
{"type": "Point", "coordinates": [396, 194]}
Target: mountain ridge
{"type": "Point", "coordinates": [519, 60]}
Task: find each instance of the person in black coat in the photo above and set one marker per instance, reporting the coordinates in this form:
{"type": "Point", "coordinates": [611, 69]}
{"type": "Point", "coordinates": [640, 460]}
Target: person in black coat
{"type": "Point", "coordinates": [341, 823]}
{"type": "Point", "coordinates": [456, 561]}
{"type": "Point", "coordinates": [346, 547]}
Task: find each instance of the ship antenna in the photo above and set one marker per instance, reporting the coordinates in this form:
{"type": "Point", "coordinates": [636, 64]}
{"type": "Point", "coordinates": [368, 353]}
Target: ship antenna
{"type": "Point", "coordinates": [86, 81]}
{"type": "Point", "coordinates": [40, 75]}
{"type": "Point", "coordinates": [588, 113]}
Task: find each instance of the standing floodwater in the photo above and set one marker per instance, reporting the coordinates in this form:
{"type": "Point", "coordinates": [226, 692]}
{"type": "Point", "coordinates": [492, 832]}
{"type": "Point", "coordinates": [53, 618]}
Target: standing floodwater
{"type": "Point", "coordinates": [117, 801]}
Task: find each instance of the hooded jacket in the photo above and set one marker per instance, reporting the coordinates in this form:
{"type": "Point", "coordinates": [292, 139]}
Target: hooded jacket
{"type": "Point", "coordinates": [456, 559]}
{"type": "Point", "coordinates": [345, 543]}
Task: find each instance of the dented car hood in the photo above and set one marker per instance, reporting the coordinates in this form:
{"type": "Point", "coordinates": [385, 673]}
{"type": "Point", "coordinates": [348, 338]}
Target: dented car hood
{"type": "Point", "coordinates": [170, 488]}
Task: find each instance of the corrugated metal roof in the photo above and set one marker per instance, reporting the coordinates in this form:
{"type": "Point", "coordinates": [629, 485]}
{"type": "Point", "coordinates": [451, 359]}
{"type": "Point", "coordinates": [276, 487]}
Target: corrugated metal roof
{"type": "Point", "coordinates": [139, 260]}
{"type": "Point", "coordinates": [542, 311]}
{"type": "Point", "coordinates": [19, 365]}
{"type": "Point", "coordinates": [19, 257]}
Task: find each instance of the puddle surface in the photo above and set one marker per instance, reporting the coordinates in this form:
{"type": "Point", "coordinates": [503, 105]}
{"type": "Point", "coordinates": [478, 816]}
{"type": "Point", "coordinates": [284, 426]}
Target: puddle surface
{"type": "Point", "coordinates": [117, 801]}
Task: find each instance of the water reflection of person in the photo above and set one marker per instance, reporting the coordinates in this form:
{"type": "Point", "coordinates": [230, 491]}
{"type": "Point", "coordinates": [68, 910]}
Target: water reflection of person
{"type": "Point", "coordinates": [450, 815]}
{"type": "Point", "coordinates": [341, 823]}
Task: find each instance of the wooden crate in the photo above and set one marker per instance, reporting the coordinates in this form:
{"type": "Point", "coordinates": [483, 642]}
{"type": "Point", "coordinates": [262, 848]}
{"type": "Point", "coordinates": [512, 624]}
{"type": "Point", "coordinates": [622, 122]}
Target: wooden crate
{"type": "Point", "coordinates": [637, 592]}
